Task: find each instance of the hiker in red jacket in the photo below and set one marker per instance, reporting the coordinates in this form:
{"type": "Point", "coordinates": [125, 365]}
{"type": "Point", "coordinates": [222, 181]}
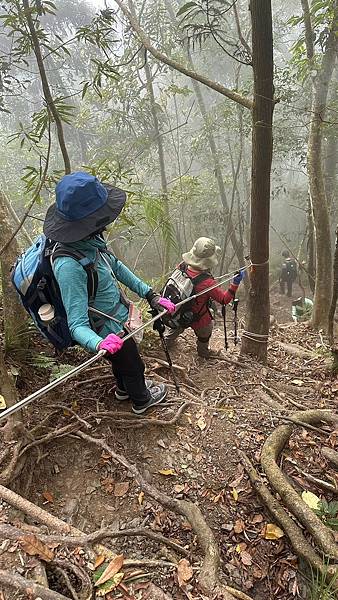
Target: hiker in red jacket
{"type": "Point", "coordinates": [202, 258]}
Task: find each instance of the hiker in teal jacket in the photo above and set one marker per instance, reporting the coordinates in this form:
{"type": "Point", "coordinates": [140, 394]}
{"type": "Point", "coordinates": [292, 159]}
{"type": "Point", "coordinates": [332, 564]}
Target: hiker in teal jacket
{"type": "Point", "coordinates": [77, 220]}
{"type": "Point", "coordinates": [72, 279]}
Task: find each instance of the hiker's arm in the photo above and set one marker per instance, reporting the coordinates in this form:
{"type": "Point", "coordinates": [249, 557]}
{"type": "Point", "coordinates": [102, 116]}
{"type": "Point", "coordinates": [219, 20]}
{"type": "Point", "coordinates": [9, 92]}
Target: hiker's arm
{"type": "Point", "coordinates": [125, 276]}
{"type": "Point", "coordinates": [72, 280]}
{"type": "Point", "coordinates": [222, 296]}
{"type": "Point", "coordinates": [218, 294]}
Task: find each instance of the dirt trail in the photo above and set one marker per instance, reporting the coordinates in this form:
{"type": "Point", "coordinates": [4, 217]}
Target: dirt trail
{"type": "Point", "coordinates": [195, 459]}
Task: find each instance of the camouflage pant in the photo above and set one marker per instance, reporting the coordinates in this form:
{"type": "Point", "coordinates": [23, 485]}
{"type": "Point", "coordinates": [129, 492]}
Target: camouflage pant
{"type": "Point", "coordinates": [203, 335]}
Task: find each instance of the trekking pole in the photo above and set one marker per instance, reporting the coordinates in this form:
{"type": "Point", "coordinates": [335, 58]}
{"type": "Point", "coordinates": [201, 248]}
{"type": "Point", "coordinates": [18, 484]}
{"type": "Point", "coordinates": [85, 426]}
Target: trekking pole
{"type": "Point", "coordinates": [160, 328]}
{"type": "Point", "coordinates": [235, 308]}
{"type": "Point", "coordinates": [53, 384]}
{"type": "Point", "coordinates": [50, 386]}
{"type": "Point", "coordinates": [226, 345]}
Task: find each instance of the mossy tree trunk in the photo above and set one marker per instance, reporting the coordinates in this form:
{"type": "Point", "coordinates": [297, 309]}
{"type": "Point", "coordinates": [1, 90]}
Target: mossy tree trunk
{"type": "Point", "coordinates": [258, 320]}
{"type": "Point", "coordinates": [15, 317]}
{"type": "Point", "coordinates": [322, 75]}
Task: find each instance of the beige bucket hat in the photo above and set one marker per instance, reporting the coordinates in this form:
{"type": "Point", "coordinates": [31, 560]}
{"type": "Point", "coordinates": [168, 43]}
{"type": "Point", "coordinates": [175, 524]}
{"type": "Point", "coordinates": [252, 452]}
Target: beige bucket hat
{"type": "Point", "coordinates": [203, 255]}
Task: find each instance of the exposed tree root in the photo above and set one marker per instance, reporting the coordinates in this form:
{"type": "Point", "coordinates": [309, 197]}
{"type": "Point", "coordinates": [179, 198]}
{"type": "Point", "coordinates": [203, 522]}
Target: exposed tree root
{"type": "Point", "coordinates": [271, 402]}
{"type": "Point", "coordinates": [35, 512]}
{"type": "Point", "coordinates": [271, 450]}
{"type": "Point", "coordinates": [297, 404]}
{"type": "Point", "coordinates": [64, 576]}
{"type": "Point", "coordinates": [10, 532]}
{"type": "Point", "coordinates": [147, 563]}
{"type": "Point", "coordinates": [209, 579]}
{"type": "Point", "coordinates": [80, 574]}
{"type": "Point", "coordinates": [71, 412]}
{"type": "Point", "coordinates": [131, 423]}
{"type": "Point", "coordinates": [237, 593]}
{"type": "Point", "coordinates": [297, 351]}
{"type": "Point", "coordinates": [324, 485]}
{"type": "Point", "coordinates": [164, 363]}
{"type": "Point", "coordinates": [8, 472]}
{"type": "Point", "coordinates": [274, 394]}
{"type": "Point", "coordinates": [239, 364]}
{"type": "Point", "coordinates": [181, 370]}
{"type": "Point", "coordinates": [299, 543]}
{"type": "Point", "coordinates": [300, 423]}
{"type": "Point", "coordinates": [52, 435]}
{"type": "Point", "coordinates": [39, 575]}
{"type": "Point", "coordinates": [331, 455]}
{"type": "Point", "coordinates": [11, 580]}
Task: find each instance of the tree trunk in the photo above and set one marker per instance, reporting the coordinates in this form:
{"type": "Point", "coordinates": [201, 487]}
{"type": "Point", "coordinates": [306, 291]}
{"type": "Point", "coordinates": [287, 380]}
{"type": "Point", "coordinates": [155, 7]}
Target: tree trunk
{"type": "Point", "coordinates": [15, 317]}
{"type": "Point", "coordinates": [23, 231]}
{"type": "Point", "coordinates": [160, 149]}
{"type": "Point", "coordinates": [311, 251]}
{"type": "Point", "coordinates": [331, 159]}
{"type": "Point", "coordinates": [9, 393]}
{"type": "Point", "coordinates": [45, 85]}
{"type": "Point", "coordinates": [319, 206]}
{"type": "Point", "coordinates": [257, 326]}
{"type": "Point", "coordinates": [334, 299]}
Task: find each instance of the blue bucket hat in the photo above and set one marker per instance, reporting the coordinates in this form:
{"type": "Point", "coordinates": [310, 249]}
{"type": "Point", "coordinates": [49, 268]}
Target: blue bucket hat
{"type": "Point", "coordinates": [83, 205]}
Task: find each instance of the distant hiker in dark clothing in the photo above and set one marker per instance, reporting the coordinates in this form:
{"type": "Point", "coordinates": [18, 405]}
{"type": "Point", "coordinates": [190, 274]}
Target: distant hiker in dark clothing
{"type": "Point", "coordinates": [288, 273]}
{"type": "Point", "coordinates": [197, 266]}
{"type": "Point", "coordinates": [83, 208]}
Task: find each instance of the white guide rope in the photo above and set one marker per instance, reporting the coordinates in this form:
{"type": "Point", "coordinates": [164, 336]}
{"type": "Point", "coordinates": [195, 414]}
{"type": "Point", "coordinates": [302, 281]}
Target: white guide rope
{"type": "Point", "coordinates": [50, 386]}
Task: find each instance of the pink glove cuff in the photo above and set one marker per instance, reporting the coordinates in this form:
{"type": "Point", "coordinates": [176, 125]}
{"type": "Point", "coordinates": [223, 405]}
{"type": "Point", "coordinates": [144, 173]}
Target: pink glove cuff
{"type": "Point", "coordinates": [167, 304]}
{"type": "Point", "coordinates": [112, 343]}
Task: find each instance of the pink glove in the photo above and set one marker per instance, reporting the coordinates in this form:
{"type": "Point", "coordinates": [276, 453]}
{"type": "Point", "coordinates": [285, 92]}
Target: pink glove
{"type": "Point", "coordinates": [167, 304]}
{"type": "Point", "coordinates": [112, 343]}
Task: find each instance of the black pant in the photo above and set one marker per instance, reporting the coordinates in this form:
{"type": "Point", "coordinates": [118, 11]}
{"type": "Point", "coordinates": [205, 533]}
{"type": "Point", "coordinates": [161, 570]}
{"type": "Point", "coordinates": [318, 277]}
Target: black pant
{"type": "Point", "coordinates": [288, 283]}
{"type": "Point", "coordinates": [128, 369]}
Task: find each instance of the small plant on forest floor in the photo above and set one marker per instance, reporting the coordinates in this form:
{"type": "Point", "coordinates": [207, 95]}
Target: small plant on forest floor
{"type": "Point", "coordinates": [58, 370]}
{"type": "Point", "coordinates": [328, 511]}
{"type": "Point", "coordinates": [322, 586]}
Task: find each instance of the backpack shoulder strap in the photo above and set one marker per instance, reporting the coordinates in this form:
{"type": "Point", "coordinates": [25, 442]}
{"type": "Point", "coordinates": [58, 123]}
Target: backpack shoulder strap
{"type": "Point", "coordinates": [199, 278]}
{"type": "Point", "coordinates": [89, 266]}
{"type": "Point", "coordinates": [123, 296]}
{"type": "Point", "coordinates": [195, 280]}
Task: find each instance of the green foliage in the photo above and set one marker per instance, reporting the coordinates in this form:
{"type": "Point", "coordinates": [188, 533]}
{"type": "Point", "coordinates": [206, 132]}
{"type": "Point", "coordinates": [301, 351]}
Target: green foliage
{"type": "Point", "coordinates": [328, 512]}
{"type": "Point", "coordinates": [58, 370]}
{"type": "Point", "coordinates": [40, 361]}
{"type": "Point", "coordinates": [322, 14]}
{"type": "Point", "coordinates": [156, 217]}
{"type": "Point", "coordinates": [323, 586]}
{"type": "Point", "coordinates": [186, 7]}
{"type": "Point", "coordinates": [110, 171]}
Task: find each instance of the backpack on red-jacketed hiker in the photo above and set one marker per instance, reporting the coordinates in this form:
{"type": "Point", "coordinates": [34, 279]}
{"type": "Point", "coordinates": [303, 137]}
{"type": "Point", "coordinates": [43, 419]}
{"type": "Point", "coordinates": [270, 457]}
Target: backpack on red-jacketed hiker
{"type": "Point", "coordinates": [179, 287]}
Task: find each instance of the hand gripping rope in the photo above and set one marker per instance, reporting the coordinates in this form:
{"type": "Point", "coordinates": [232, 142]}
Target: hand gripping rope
{"type": "Point", "coordinates": [50, 386]}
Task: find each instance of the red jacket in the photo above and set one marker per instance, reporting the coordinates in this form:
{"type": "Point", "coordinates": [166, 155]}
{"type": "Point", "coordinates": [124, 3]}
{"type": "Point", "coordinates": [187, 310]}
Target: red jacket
{"type": "Point", "coordinates": [200, 305]}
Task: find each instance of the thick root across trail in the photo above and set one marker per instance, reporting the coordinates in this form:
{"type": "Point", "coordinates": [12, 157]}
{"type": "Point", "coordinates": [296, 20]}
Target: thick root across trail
{"type": "Point", "coordinates": [169, 489]}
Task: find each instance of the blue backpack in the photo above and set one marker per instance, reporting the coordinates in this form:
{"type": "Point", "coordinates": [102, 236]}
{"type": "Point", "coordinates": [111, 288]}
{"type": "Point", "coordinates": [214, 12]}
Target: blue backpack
{"type": "Point", "coordinates": [33, 279]}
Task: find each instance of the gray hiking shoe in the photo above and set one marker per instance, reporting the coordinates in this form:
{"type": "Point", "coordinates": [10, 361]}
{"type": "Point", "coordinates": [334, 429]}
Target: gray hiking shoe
{"type": "Point", "coordinates": [123, 396]}
{"type": "Point", "coordinates": [158, 394]}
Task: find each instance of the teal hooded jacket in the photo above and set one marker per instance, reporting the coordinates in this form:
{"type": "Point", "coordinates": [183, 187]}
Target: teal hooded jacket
{"type": "Point", "coordinates": [72, 280]}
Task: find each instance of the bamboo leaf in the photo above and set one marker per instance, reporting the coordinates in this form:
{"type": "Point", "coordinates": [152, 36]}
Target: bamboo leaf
{"type": "Point", "coordinates": [185, 8]}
